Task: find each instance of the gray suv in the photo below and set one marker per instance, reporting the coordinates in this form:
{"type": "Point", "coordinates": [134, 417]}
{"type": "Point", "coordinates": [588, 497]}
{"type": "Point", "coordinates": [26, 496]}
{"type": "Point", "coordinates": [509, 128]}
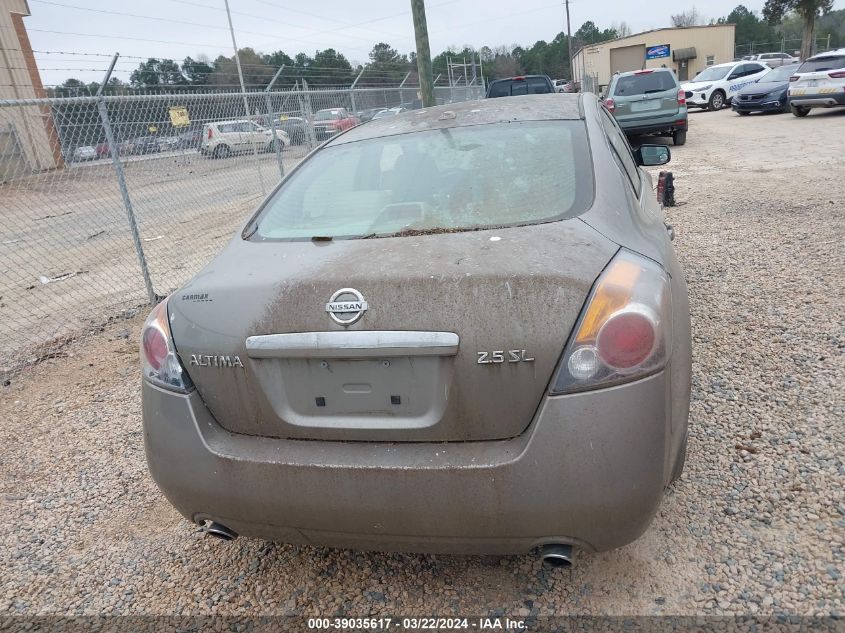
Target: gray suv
{"type": "Point", "coordinates": [649, 102]}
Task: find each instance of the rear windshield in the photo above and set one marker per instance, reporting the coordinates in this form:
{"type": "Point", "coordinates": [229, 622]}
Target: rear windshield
{"type": "Point", "coordinates": [644, 84]}
{"type": "Point", "coordinates": [327, 115]}
{"type": "Point", "coordinates": [435, 181]}
{"type": "Point", "coordinates": [781, 74]}
{"type": "Point", "coordinates": [832, 62]}
{"type": "Point", "coordinates": [527, 86]}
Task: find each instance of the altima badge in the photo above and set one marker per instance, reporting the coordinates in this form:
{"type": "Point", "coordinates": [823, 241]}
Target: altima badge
{"type": "Point", "coordinates": [346, 306]}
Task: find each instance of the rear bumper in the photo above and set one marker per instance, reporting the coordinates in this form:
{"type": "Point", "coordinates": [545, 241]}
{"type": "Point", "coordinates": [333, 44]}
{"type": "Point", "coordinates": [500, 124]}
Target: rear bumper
{"type": "Point", "coordinates": [826, 100]}
{"type": "Point", "coordinates": [653, 127]}
{"type": "Point", "coordinates": [589, 471]}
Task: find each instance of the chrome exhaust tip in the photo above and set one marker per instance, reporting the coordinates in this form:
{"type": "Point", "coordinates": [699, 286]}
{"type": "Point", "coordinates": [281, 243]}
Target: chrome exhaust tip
{"type": "Point", "coordinates": [556, 555]}
{"type": "Point", "coordinates": [220, 531]}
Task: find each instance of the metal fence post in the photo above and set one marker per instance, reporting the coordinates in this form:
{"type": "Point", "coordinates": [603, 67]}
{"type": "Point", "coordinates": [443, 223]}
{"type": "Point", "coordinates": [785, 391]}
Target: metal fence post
{"type": "Point", "coordinates": [305, 100]}
{"type": "Point", "coordinates": [352, 91]}
{"type": "Point", "coordinates": [272, 116]}
{"type": "Point", "coordinates": [121, 181]}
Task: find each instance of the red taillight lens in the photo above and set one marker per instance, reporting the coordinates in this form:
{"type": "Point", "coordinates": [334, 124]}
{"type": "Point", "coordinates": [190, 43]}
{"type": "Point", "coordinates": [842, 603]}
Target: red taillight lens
{"type": "Point", "coordinates": [610, 105]}
{"type": "Point", "coordinates": [520, 78]}
{"type": "Point", "coordinates": [160, 364]}
{"type": "Point", "coordinates": [624, 332]}
{"type": "Point", "coordinates": [643, 72]}
{"type": "Point", "coordinates": [626, 340]}
{"type": "Point", "coordinates": [839, 74]}
{"type": "Point", "coordinates": [154, 347]}
{"type": "Point", "coordinates": [794, 78]}
{"type": "Point", "coordinates": [682, 97]}
{"type": "Point", "coordinates": [210, 133]}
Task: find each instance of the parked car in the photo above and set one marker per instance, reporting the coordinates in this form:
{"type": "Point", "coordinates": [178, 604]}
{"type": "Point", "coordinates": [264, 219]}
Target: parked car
{"type": "Point", "coordinates": [424, 340]}
{"type": "Point", "coordinates": [714, 87]}
{"type": "Point", "coordinates": [330, 121]}
{"type": "Point", "coordinates": [767, 94]}
{"type": "Point", "coordinates": [818, 83]}
{"type": "Point", "coordinates": [103, 150]}
{"type": "Point", "coordinates": [773, 59]}
{"type": "Point", "coordinates": [522, 85]}
{"type": "Point", "coordinates": [368, 114]}
{"type": "Point", "coordinates": [191, 138]}
{"type": "Point", "coordinates": [388, 112]}
{"type": "Point", "coordinates": [146, 145]}
{"type": "Point", "coordinates": [295, 127]}
{"type": "Point", "coordinates": [566, 85]}
{"type": "Point", "coordinates": [649, 102]}
{"type": "Point", "coordinates": [168, 143]}
{"type": "Point", "coordinates": [224, 138]}
{"type": "Point", "coordinates": [83, 153]}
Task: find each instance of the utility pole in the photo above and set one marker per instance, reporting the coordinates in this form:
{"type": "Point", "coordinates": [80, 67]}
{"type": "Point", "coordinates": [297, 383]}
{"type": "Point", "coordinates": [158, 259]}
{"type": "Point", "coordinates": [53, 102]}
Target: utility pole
{"type": "Point", "coordinates": [569, 43]}
{"type": "Point", "coordinates": [423, 53]}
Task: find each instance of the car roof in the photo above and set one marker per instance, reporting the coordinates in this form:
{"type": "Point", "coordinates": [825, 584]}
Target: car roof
{"type": "Point", "coordinates": [540, 107]}
{"type": "Point", "coordinates": [833, 53]}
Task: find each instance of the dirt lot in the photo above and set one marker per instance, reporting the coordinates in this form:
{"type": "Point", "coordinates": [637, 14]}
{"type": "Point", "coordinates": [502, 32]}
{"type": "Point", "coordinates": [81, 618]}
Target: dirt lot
{"type": "Point", "coordinates": [756, 524]}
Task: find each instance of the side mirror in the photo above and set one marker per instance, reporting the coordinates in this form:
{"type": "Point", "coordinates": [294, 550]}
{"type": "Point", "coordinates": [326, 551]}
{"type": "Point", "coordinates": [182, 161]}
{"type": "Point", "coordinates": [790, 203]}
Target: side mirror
{"type": "Point", "coordinates": [652, 155]}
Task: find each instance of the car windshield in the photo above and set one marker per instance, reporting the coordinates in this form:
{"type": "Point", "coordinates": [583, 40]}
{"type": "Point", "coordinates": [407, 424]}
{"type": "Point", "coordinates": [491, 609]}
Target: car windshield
{"type": "Point", "coordinates": [777, 75]}
{"type": "Point", "coordinates": [830, 62]}
{"type": "Point", "coordinates": [327, 115]}
{"type": "Point", "coordinates": [435, 181]}
{"type": "Point", "coordinates": [644, 83]}
{"type": "Point", "coordinates": [713, 73]}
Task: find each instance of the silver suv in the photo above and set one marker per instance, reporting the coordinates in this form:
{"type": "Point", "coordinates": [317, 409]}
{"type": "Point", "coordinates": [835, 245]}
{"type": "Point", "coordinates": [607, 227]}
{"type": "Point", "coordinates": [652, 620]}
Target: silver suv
{"type": "Point", "coordinates": [649, 102]}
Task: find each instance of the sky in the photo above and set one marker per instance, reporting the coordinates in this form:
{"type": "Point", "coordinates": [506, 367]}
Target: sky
{"type": "Point", "coordinates": [75, 38]}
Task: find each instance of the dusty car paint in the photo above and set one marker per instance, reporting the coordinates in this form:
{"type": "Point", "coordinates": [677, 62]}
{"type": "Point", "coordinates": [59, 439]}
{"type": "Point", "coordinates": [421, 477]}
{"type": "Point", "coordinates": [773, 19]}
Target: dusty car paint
{"type": "Point", "coordinates": [495, 464]}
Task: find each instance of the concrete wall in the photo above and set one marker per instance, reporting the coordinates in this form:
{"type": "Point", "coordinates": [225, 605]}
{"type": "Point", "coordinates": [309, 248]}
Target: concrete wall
{"type": "Point", "coordinates": [31, 126]}
{"type": "Point", "coordinates": [717, 40]}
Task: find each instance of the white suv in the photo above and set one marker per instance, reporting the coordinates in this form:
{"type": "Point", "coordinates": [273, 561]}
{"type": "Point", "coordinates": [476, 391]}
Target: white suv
{"type": "Point", "coordinates": [714, 87]}
{"type": "Point", "coordinates": [818, 83]}
{"type": "Point", "coordinates": [223, 138]}
{"type": "Point", "coordinates": [773, 59]}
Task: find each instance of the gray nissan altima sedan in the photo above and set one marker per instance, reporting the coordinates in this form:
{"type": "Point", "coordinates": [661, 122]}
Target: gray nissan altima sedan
{"type": "Point", "coordinates": [461, 329]}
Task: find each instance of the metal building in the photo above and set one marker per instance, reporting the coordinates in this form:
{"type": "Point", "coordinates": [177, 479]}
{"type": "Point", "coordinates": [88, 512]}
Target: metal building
{"type": "Point", "coordinates": [687, 50]}
{"type": "Point", "coordinates": [28, 141]}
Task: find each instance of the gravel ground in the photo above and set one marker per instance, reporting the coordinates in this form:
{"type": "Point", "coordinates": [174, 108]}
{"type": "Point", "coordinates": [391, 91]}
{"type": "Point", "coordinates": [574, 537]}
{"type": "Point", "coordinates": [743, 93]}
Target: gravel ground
{"type": "Point", "coordinates": [756, 525]}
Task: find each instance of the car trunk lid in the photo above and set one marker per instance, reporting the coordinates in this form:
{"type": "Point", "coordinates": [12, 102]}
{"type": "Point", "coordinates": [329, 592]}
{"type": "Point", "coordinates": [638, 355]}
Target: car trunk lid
{"type": "Point", "coordinates": [268, 359]}
{"type": "Point", "coordinates": [645, 95]}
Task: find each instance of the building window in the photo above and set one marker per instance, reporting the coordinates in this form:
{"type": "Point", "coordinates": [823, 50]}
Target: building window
{"type": "Point", "coordinates": [711, 59]}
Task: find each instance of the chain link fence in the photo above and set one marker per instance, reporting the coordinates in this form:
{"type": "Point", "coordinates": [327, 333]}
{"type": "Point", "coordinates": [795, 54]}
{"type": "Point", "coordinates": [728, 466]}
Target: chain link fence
{"type": "Point", "coordinates": [790, 46]}
{"type": "Point", "coordinates": [109, 202]}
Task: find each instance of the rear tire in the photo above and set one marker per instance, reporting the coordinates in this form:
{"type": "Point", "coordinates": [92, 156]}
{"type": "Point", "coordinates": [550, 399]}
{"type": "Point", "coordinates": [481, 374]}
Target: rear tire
{"type": "Point", "coordinates": [679, 137]}
{"type": "Point", "coordinates": [800, 111]}
{"type": "Point", "coordinates": [222, 151]}
{"type": "Point", "coordinates": [717, 101]}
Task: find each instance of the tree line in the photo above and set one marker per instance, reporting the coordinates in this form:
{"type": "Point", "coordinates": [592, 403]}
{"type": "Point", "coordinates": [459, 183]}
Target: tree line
{"type": "Point", "coordinates": [782, 20]}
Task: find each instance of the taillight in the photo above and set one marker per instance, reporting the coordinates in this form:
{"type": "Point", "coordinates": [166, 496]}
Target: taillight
{"type": "Point", "coordinates": [624, 332]}
{"type": "Point", "coordinates": [610, 105]}
{"type": "Point", "coordinates": [794, 78]}
{"type": "Point", "coordinates": [643, 72]}
{"type": "Point", "coordinates": [210, 133]}
{"type": "Point", "coordinates": [839, 74]}
{"type": "Point", "coordinates": [682, 97]}
{"type": "Point", "coordinates": [159, 361]}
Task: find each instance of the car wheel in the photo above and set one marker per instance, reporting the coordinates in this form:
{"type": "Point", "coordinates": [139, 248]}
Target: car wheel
{"type": "Point", "coordinates": [800, 110]}
{"type": "Point", "coordinates": [682, 459]}
{"type": "Point", "coordinates": [717, 100]}
{"type": "Point", "coordinates": [222, 151]}
{"type": "Point", "coordinates": [679, 137]}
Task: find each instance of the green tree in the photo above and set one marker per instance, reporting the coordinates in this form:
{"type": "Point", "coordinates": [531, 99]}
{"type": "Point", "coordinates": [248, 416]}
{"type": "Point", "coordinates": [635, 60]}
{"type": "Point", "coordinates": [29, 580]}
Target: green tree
{"type": "Point", "coordinates": [157, 72]}
{"type": "Point", "coordinates": [196, 72]}
{"type": "Point", "coordinates": [808, 10]}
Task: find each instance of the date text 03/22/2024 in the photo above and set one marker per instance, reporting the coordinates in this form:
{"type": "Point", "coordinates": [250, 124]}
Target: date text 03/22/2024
{"type": "Point", "coordinates": [417, 624]}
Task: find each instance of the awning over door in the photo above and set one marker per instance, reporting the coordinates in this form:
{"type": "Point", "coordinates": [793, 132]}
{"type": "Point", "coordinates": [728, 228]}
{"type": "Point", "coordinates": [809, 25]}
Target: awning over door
{"type": "Point", "coordinates": [681, 54]}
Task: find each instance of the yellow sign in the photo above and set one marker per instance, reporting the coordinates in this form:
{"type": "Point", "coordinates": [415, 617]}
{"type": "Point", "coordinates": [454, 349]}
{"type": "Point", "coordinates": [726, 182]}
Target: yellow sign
{"type": "Point", "coordinates": [179, 116]}
{"type": "Point", "coordinates": [152, 128]}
